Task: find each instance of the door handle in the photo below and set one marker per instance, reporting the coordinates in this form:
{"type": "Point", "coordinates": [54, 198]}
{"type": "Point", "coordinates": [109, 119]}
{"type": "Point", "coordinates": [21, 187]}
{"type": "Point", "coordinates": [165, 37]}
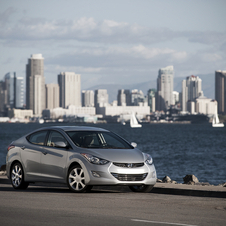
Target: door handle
{"type": "Point", "coordinates": [44, 153]}
{"type": "Point", "coordinates": [23, 147]}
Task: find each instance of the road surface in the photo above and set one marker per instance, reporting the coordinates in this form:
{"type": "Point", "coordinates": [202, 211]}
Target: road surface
{"type": "Point", "coordinates": [46, 205]}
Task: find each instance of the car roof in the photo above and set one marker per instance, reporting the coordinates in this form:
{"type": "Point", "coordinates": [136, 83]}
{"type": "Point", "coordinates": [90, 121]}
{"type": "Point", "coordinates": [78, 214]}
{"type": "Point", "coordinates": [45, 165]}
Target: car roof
{"type": "Point", "coordinates": [74, 128]}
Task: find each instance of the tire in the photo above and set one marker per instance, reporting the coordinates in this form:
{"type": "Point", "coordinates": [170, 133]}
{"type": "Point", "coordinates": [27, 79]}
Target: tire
{"type": "Point", "coordinates": [17, 177]}
{"type": "Point", "coordinates": [141, 188]}
{"type": "Point", "coordinates": [76, 180]}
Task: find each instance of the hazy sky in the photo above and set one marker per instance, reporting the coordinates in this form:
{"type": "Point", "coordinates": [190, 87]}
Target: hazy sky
{"type": "Point", "coordinates": [113, 41]}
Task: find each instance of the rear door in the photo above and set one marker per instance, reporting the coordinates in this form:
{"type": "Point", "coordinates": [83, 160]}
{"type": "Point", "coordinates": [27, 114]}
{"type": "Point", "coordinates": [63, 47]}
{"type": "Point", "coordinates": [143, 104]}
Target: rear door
{"type": "Point", "coordinates": [53, 161]}
{"type": "Point", "coordinates": [31, 153]}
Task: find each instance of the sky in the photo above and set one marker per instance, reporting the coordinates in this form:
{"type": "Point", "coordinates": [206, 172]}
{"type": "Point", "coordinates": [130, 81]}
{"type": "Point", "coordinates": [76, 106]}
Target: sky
{"type": "Point", "coordinates": [113, 41]}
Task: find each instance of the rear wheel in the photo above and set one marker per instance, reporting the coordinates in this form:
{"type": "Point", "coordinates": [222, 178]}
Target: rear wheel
{"type": "Point", "coordinates": [141, 188]}
{"type": "Point", "coordinates": [17, 177]}
{"type": "Point", "coordinates": [76, 180]}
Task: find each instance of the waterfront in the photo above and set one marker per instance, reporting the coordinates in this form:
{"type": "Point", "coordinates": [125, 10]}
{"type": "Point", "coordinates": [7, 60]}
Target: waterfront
{"type": "Point", "coordinates": [177, 149]}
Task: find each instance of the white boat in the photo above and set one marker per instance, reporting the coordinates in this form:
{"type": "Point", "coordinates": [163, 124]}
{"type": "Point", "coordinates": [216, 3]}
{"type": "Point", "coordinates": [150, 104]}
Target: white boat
{"type": "Point", "coordinates": [216, 121]}
{"type": "Point", "coordinates": [133, 122]}
{"type": "Point", "coordinates": [41, 121]}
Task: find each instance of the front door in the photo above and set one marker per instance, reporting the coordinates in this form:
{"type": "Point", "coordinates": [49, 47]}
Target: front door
{"type": "Point", "coordinates": [53, 160]}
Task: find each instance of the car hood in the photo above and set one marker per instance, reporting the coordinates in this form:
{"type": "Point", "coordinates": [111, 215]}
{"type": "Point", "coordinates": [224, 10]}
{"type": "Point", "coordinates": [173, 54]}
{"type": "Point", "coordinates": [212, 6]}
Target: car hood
{"type": "Point", "coordinates": [117, 155]}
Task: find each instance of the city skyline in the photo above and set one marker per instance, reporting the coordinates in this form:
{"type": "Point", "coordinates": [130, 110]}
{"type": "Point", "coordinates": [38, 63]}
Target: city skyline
{"type": "Point", "coordinates": [115, 41]}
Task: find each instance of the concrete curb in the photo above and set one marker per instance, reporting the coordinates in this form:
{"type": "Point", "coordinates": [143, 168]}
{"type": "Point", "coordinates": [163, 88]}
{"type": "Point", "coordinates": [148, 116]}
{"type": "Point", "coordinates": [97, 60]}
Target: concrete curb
{"type": "Point", "coordinates": [187, 192]}
{"type": "Point", "coordinates": [190, 190]}
{"type": "Point", "coordinates": [159, 188]}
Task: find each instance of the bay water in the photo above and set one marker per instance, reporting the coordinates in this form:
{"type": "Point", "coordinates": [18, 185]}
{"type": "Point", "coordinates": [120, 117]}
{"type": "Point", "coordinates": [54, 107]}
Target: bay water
{"type": "Point", "coordinates": [177, 149]}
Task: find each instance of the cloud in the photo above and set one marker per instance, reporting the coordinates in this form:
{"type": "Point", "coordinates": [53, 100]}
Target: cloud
{"type": "Point", "coordinates": [88, 30]}
{"type": "Point", "coordinates": [5, 16]}
{"type": "Point", "coordinates": [118, 57]}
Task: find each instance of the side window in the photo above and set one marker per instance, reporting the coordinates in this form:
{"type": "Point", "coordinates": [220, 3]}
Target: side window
{"type": "Point", "coordinates": [55, 137]}
{"type": "Point", "coordinates": [38, 138]}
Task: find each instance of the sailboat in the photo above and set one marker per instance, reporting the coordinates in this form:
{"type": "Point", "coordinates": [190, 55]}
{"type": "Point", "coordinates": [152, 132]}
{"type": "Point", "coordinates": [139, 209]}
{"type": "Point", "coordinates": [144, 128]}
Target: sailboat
{"type": "Point", "coordinates": [216, 121]}
{"type": "Point", "coordinates": [133, 122]}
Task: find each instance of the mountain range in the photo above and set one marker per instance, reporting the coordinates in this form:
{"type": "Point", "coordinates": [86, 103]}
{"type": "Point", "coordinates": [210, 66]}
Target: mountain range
{"type": "Point", "coordinates": [208, 86]}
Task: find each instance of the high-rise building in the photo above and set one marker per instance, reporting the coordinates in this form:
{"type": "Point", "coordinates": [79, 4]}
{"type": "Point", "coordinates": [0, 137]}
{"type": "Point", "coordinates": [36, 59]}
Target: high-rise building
{"type": "Point", "coordinates": [151, 99]}
{"type": "Point", "coordinates": [70, 89]}
{"type": "Point", "coordinates": [14, 91]}
{"type": "Point", "coordinates": [191, 89]}
{"type": "Point", "coordinates": [2, 98]}
{"type": "Point", "coordinates": [220, 90]}
{"type": "Point", "coordinates": [52, 96]}
{"type": "Point", "coordinates": [10, 87]}
{"type": "Point", "coordinates": [87, 98]}
{"type": "Point", "coordinates": [137, 97]}
{"type": "Point", "coordinates": [124, 97]}
{"type": "Point", "coordinates": [101, 98]}
{"type": "Point", "coordinates": [175, 97]}
{"type": "Point", "coordinates": [35, 84]}
{"type": "Point", "coordinates": [19, 92]}
{"type": "Point", "coordinates": [164, 97]}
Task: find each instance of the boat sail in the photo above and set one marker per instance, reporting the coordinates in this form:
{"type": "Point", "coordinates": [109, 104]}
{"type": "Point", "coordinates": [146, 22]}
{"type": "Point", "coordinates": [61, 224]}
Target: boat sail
{"type": "Point", "coordinates": [133, 122]}
{"type": "Point", "coordinates": [216, 121]}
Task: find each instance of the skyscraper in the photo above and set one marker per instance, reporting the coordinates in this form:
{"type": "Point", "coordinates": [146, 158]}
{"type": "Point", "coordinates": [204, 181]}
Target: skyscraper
{"type": "Point", "coordinates": [35, 84]}
{"type": "Point", "coordinates": [151, 99]}
{"type": "Point", "coordinates": [137, 97]}
{"type": "Point", "coordinates": [2, 98]}
{"type": "Point", "coordinates": [164, 88]}
{"type": "Point", "coordinates": [19, 101]}
{"type": "Point", "coordinates": [220, 90]}
{"type": "Point", "coordinates": [52, 96]}
{"type": "Point", "coordinates": [191, 89]}
{"type": "Point", "coordinates": [87, 98]}
{"type": "Point", "coordinates": [124, 97]}
{"type": "Point", "coordinates": [70, 89]}
{"type": "Point", "coordinates": [10, 89]}
{"type": "Point", "coordinates": [101, 98]}
{"type": "Point", "coordinates": [14, 91]}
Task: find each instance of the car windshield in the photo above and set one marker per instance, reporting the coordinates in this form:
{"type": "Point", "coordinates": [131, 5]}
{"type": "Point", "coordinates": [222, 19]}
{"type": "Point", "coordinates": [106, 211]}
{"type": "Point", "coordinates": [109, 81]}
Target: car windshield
{"type": "Point", "coordinates": [96, 139]}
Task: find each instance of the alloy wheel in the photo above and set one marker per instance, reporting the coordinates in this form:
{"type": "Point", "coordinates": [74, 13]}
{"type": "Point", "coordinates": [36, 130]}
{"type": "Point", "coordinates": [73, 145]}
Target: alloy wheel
{"type": "Point", "coordinates": [76, 179]}
{"type": "Point", "coordinates": [16, 175]}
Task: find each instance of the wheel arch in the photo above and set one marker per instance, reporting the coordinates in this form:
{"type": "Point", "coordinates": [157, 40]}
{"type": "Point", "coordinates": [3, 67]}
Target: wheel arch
{"type": "Point", "coordinates": [75, 163]}
{"type": "Point", "coordinates": [78, 162]}
{"type": "Point", "coordinates": [13, 163]}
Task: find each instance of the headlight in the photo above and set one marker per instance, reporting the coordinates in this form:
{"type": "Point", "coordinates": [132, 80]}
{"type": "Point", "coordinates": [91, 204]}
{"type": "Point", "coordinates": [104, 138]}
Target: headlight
{"type": "Point", "coordinates": [94, 159]}
{"type": "Point", "coordinates": [149, 159]}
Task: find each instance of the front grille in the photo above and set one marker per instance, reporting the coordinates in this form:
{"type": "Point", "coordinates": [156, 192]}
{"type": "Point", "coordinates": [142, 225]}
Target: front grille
{"type": "Point", "coordinates": [128, 165]}
{"type": "Point", "coordinates": [130, 177]}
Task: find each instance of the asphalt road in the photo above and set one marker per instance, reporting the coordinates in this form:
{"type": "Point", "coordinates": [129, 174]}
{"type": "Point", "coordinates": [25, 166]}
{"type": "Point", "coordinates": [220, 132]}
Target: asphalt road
{"type": "Point", "coordinates": [39, 205]}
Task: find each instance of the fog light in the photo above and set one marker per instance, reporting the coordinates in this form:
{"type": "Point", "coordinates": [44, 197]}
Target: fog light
{"type": "Point", "coordinates": [154, 174]}
{"type": "Point", "coordinates": [95, 174]}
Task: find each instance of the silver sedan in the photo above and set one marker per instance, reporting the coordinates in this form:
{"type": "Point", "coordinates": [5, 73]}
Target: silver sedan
{"type": "Point", "coordinates": [79, 156]}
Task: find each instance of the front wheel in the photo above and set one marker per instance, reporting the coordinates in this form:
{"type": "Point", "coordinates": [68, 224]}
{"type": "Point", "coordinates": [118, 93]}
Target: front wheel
{"type": "Point", "coordinates": [17, 177]}
{"type": "Point", "coordinates": [141, 188]}
{"type": "Point", "coordinates": [76, 180]}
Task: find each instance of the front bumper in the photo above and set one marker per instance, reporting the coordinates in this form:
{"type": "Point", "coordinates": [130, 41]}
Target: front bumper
{"type": "Point", "coordinates": [113, 175]}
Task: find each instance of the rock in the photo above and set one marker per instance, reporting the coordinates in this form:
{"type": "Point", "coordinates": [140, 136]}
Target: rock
{"type": "Point", "coordinates": [191, 183]}
{"type": "Point", "coordinates": [223, 185]}
{"type": "Point", "coordinates": [190, 179]}
{"type": "Point", "coordinates": [158, 180]}
{"type": "Point", "coordinates": [166, 179]}
{"type": "Point", "coordinates": [3, 168]}
{"type": "Point", "coordinates": [203, 184]}
{"type": "Point", "coordinates": [173, 182]}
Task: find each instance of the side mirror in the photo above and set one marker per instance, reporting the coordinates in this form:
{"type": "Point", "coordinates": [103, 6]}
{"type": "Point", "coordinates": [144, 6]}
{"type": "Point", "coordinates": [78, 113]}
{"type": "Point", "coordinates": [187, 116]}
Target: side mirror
{"type": "Point", "coordinates": [134, 144]}
{"type": "Point", "coordinates": [60, 144]}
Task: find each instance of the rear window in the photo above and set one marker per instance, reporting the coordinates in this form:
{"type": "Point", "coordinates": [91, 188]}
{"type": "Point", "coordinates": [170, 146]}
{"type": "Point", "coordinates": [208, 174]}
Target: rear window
{"type": "Point", "coordinates": [94, 139]}
{"type": "Point", "coordinates": [37, 138]}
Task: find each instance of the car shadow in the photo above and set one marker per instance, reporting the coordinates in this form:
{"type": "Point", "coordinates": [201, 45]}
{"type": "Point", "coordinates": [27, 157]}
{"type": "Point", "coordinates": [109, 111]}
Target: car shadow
{"type": "Point", "coordinates": [56, 188]}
